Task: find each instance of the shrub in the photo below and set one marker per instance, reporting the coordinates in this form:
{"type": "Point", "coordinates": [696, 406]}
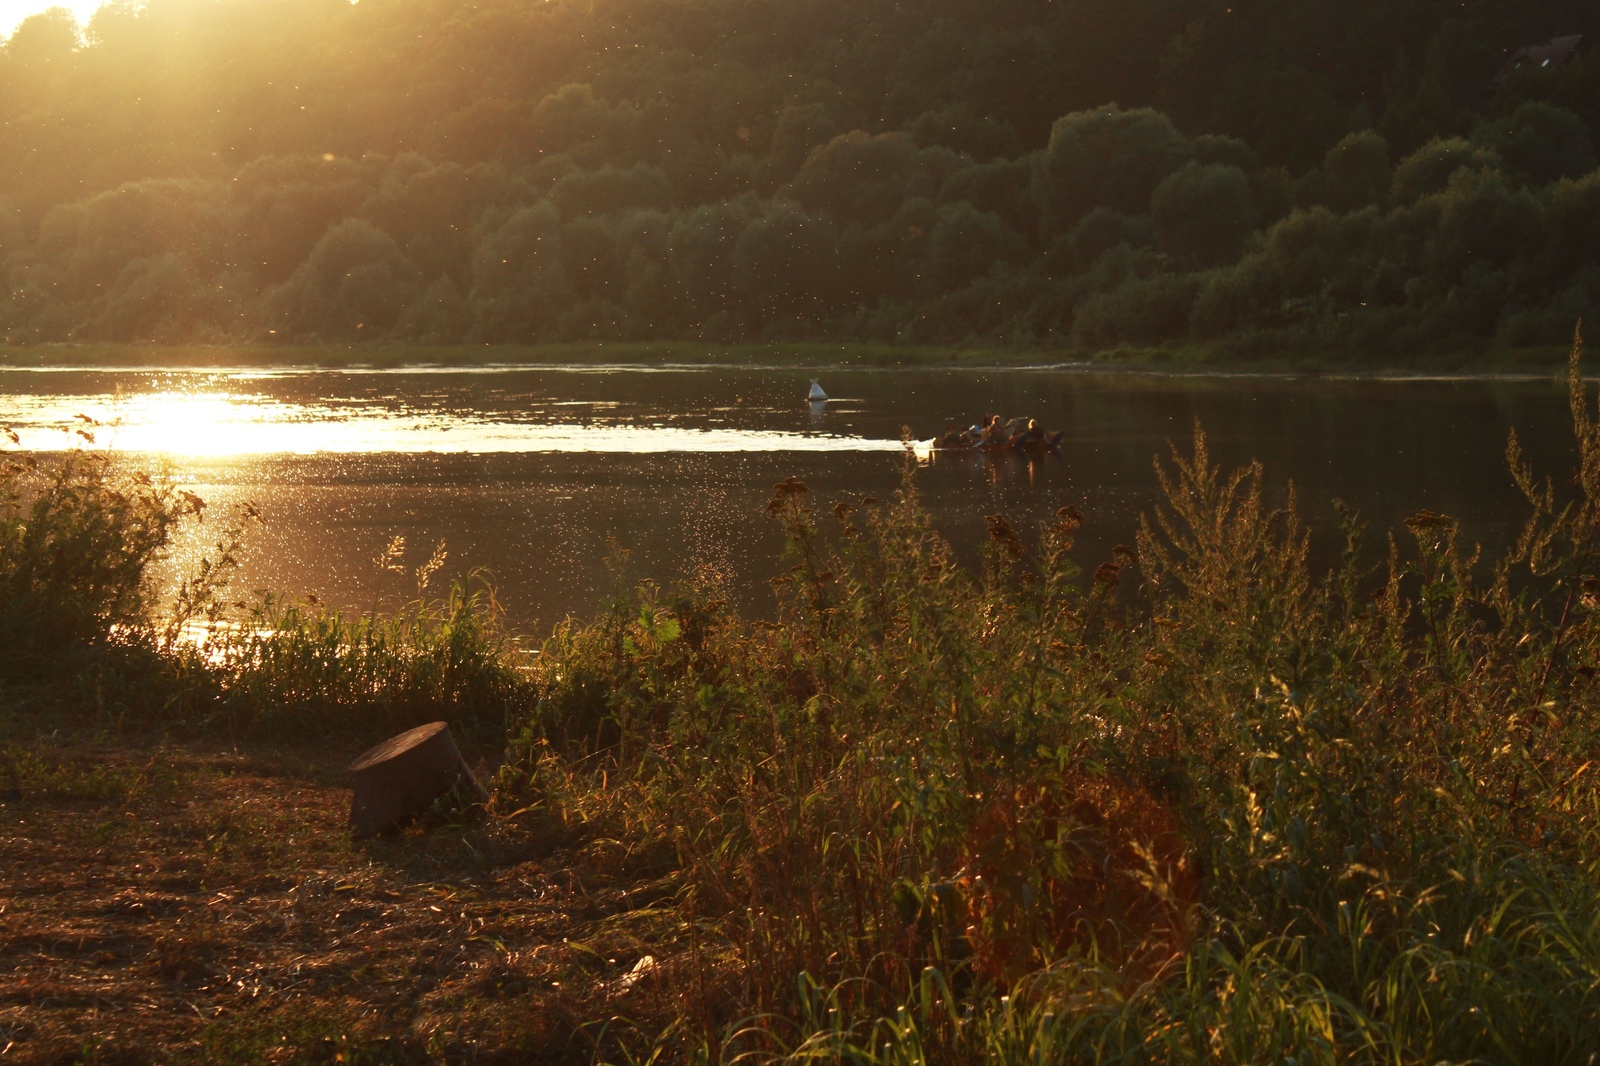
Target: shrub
{"type": "Point", "coordinates": [78, 536]}
{"type": "Point", "coordinates": [356, 279]}
{"type": "Point", "coordinates": [289, 668]}
{"type": "Point", "coordinates": [1139, 311]}
{"type": "Point", "coordinates": [1013, 815]}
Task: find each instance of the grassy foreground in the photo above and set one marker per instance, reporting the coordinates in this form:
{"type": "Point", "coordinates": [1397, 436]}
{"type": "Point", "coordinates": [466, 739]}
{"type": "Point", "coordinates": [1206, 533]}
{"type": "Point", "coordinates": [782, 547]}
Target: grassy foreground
{"type": "Point", "coordinates": [1192, 804]}
{"type": "Point", "coordinates": [1187, 357]}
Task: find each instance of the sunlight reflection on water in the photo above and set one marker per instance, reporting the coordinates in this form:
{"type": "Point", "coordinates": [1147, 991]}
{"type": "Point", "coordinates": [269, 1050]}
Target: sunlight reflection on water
{"type": "Point", "coordinates": [218, 424]}
{"type": "Point", "coordinates": [530, 472]}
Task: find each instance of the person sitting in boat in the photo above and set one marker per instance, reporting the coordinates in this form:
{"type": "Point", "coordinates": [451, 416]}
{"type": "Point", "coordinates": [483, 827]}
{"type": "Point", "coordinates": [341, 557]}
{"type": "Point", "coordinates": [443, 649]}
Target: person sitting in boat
{"type": "Point", "coordinates": [1034, 440]}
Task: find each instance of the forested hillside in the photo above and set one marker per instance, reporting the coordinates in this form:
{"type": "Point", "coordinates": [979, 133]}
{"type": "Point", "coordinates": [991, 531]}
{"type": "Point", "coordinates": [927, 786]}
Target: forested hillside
{"type": "Point", "coordinates": [1367, 176]}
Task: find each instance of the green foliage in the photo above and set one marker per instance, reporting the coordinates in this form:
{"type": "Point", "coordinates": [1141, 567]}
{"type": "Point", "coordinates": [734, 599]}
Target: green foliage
{"type": "Point", "coordinates": [1541, 142]}
{"type": "Point", "coordinates": [1100, 231]}
{"type": "Point", "coordinates": [1253, 814]}
{"type": "Point", "coordinates": [310, 171]}
{"type": "Point", "coordinates": [1429, 169]}
{"type": "Point", "coordinates": [1144, 310]}
{"type": "Point", "coordinates": [1357, 171]}
{"type": "Point", "coordinates": [356, 278]}
{"type": "Point", "coordinates": [966, 244]}
{"type": "Point", "coordinates": [1203, 213]}
{"type": "Point", "coordinates": [611, 189]}
{"type": "Point", "coordinates": [34, 774]}
{"type": "Point", "coordinates": [77, 538]}
{"type": "Point", "coordinates": [301, 668]}
{"type": "Point", "coordinates": [1108, 157]}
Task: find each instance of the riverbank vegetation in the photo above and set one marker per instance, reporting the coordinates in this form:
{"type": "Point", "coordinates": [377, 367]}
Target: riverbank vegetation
{"type": "Point", "coordinates": [1193, 802]}
{"type": "Point", "coordinates": [1367, 181]}
{"type": "Point", "coordinates": [1184, 358]}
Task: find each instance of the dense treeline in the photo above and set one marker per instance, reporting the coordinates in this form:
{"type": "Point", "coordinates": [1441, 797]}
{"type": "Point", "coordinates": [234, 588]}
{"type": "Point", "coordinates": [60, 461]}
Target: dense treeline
{"type": "Point", "coordinates": [1361, 175]}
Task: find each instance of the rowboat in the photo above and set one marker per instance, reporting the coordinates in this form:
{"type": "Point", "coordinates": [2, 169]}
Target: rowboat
{"type": "Point", "coordinates": [1031, 441]}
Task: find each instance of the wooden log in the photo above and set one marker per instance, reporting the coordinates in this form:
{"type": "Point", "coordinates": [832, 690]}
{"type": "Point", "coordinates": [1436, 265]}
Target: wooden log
{"type": "Point", "coordinates": [398, 779]}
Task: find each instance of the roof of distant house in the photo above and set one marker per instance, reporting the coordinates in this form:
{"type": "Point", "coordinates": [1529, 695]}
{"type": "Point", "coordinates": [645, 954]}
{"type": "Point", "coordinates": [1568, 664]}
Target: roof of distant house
{"type": "Point", "coordinates": [1552, 53]}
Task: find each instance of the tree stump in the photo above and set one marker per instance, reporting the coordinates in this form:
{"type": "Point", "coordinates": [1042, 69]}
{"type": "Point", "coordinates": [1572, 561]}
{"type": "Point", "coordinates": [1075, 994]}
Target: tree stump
{"type": "Point", "coordinates": [398, 779]}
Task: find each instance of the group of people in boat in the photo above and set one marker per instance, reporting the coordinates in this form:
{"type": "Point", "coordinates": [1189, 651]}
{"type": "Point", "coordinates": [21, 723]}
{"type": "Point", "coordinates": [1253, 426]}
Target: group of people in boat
{"type": "Point", "coordinates": [994, 434]}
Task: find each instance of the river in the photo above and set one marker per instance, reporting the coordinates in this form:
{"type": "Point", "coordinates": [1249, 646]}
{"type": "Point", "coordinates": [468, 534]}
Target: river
{"type": "Point", "coordinates": [530, 474]}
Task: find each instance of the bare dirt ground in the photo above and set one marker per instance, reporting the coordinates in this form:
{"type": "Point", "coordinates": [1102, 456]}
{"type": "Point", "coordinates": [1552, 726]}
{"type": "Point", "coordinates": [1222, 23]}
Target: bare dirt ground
{"type": "Point", "coordinates": [163, 903]}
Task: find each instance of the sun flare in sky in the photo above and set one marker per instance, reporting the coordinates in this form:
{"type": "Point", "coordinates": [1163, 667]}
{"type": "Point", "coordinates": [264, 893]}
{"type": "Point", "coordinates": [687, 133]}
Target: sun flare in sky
{"type": "Point", "coordinates": [12, 12]}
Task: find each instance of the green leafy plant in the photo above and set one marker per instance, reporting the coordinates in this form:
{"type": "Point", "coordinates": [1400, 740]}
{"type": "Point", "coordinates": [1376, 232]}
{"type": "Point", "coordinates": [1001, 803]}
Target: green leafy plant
{"type": "Point", "coordinates": [1206, 805]}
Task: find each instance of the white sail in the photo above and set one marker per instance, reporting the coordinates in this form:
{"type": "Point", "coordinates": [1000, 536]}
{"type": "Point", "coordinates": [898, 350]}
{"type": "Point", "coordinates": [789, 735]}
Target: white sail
{"type": "Point", "coordinates": [817, 394]}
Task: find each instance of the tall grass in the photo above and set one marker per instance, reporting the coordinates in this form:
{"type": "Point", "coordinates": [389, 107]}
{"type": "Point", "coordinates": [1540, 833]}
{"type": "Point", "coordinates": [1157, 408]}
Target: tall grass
{"type": "Point", "coordinates": [1197, 803]}
{"type": "Point", "coordinates": [82, 623]}
{"type": "Point", "coordinates": [1250, 814]}
{"type": "Point", "coordinates": [292, 667]}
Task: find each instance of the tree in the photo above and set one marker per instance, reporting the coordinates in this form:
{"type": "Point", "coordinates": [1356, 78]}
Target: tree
{"type": "Point", "coordinates": [1106, 157]}
{"type": "Point", "coordinates": [48, 38]}
{"type": "Point", "coordinates": [356, 283]}
{"type": "Point", "coordinates": [967, 243]}
{"type": "Point", "coordinates": [1203, 213]}
{"type": "Point", "coordinates": [1102, 230]}
{"type": "Point", "coordinates": [857, 177]}
{"type": "Point", "coordinates": [786, 266]}
{"type": "Point", "coordinates": [519, 279]}
{"type": "Point", "coordinates": [938, 170]}
{"type": "Point", "coordinates": [1540, 142]}
{"type": "Point", "coordinates": [611, 189]}
{"type": "Point", "coordinates": [1429, 168]}
{"type": "Point", "coordinates": [1356, 171]}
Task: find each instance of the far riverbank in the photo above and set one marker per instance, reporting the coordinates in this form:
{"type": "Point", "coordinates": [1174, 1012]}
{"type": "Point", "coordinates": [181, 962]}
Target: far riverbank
{"type": "Point", "coordinates": [1190, 359]}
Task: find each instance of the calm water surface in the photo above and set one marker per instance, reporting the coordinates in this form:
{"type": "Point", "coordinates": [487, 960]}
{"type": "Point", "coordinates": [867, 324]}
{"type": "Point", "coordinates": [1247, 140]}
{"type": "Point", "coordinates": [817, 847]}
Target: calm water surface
{"type": "Point", "coordinates": [527, 473]}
